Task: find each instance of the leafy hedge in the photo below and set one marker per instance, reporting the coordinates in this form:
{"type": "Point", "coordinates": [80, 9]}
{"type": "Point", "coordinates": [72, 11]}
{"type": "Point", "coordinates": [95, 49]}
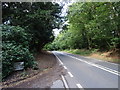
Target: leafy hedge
{"type": "Point", "coordinates": [13, 53]}
{"type": "Point", "coordinates": [15, 47]}
{"type": "Point", "coordinates": [16, 34]}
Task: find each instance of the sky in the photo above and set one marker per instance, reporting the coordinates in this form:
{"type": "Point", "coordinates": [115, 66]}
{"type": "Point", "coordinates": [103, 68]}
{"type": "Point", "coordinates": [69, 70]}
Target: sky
{"type": "Point", "coordinates": [64, 10]}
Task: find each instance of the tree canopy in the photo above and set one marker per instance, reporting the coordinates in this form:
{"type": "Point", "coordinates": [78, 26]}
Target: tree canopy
{"type": "Point", "coordinates": [26, 28]}
{"type": "Point", "coordinates": [38, 18]}
{"type": "Point", "coordinates": [91, 25]}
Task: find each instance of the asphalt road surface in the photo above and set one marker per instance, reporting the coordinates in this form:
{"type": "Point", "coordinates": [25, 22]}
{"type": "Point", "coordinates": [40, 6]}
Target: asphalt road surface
{"type": "Point", "coordinates": [90, 73]}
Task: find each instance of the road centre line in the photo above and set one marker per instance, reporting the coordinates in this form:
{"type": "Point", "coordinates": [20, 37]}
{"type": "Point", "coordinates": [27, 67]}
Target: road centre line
{"type": "Point", "coordinates": [65, 67]}
{"type": "Point", "coordinates": [65, 83]}
{"type": "Point", "coordinates": [98, 66]}
{"type": "Point", "coordinates": [70, 74]}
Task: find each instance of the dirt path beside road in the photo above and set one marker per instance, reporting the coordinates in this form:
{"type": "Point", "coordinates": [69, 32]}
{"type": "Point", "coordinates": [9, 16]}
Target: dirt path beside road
{"type": "Point", "coordinates": [48, 72]}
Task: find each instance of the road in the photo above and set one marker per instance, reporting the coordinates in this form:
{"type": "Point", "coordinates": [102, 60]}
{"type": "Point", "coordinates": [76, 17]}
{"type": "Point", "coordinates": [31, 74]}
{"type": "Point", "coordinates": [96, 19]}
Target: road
{"type": "Point", "coordinates": [88, 72]}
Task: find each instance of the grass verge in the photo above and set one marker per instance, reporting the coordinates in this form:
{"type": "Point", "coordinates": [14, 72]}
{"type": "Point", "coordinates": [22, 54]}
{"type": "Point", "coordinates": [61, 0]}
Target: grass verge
{"type": "Point", "coordinates": [110, 56]}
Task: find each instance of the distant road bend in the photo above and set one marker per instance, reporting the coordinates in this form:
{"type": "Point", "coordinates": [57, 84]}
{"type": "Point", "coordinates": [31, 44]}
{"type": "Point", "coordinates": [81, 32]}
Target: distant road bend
{"type": "Point", "coordinates": [90, 73]}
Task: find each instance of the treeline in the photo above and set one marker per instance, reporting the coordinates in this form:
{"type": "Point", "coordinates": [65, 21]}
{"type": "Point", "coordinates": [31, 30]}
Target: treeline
{"type": "Point", "coordinates": [26, 28]}
{"type": "Point", "coordinates": [92, 25]}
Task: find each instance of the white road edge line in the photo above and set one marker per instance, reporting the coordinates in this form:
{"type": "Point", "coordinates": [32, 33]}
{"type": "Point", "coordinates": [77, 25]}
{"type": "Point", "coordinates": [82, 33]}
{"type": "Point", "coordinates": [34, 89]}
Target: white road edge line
{"type": "Point", "coordinates": [97, 59]}
{"type": "Point", "coordinates": [98, 66]}
{"type": "Point", "coordinates": [65, 83]}
{"type": "Point", "coordinates": [79, 86]}
{"type": "Point", "coordinates": [70, 74]}
{"type": "Point", "coordinates": [101, 60]}
{"type": "Point", "coordinates": [59, 59]}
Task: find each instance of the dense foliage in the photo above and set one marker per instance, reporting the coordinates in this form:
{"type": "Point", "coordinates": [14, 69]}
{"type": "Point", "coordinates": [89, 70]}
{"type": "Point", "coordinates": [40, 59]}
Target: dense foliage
{"type": "Point", "coordinates": [16, 34]}
{"type": "Point", "coordinates": [27, 28]}
{"type": "Point", "coordinates": [15, 48]}
{"type": "Point", "coordinates": [38, 18]}
{"type": "Point", "coordinates": [91, 25]}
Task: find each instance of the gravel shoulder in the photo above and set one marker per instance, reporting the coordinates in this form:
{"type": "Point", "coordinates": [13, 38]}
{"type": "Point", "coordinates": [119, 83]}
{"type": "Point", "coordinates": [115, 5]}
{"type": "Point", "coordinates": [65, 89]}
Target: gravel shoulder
{"type": "Point", "coordinates": [49, 71]}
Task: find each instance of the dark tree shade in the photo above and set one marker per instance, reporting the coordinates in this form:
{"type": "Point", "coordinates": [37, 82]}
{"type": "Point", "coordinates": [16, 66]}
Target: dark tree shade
{"type": "Point", "coordinates": [37, 18]}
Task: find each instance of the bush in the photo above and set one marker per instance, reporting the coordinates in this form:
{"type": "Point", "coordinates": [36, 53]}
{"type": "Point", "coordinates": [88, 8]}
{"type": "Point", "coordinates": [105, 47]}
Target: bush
{"type": "Point", "coordinates": [14, 53]}
{"type": "Point", "coordinates": [16, 34]}
{"type": "Point", "coordinates": [15, 48]}
{"type": "Point", "coordinates": [115, 42]}
{"type": "Point", "coordinates": [83, 52]}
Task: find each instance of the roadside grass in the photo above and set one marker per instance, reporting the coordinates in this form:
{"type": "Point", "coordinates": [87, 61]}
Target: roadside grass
{"type": "Point", "coordinates": [79, 52]}
{"type": "Point", "coordinates": [95, 53]}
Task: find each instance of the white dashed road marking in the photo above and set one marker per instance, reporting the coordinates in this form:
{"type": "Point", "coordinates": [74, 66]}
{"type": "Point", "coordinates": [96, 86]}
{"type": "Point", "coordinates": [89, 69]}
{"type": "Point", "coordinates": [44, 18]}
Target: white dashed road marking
{"type": "Point", "coordinates": [65, 67]}
{"type": "Point", "coordinates": [79, 86]}
{"type": "Point", "coordinates": [65, 83]}
{"type": "Point", "coordinates": [70, 74]}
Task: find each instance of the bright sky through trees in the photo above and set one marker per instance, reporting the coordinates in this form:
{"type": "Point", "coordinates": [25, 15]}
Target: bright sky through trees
{"type": "Point", "coordinates": [63, 13]}
{"type": "Point", "coordinates": [90, 24]}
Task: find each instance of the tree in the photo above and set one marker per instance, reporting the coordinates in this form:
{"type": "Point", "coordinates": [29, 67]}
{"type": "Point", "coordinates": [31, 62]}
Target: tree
{"type": "Point", "coordinates": [93, 25]}
{"type": "Point", "coordinates": [37, 18]}
{"type": "Point", "coordinates": [27, 27]}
